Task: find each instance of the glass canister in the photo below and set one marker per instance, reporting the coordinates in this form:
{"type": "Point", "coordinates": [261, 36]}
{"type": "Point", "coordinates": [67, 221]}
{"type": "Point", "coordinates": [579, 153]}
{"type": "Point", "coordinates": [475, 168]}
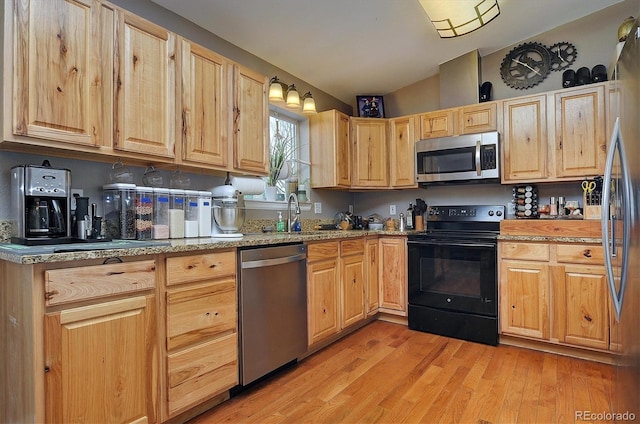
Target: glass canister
{"type": "Point", "coordinates": [119, 210]}
{"type": "Point", "coordinates": [176, 213]}
{"type": "Point", "coordinates": [204, 214]}
{"type": "Point", "coordinates": [161, 213]}
{"type": "Point", "coordinates": [191, 213]}
{"type": "Point", "coordinates": [144, 213]}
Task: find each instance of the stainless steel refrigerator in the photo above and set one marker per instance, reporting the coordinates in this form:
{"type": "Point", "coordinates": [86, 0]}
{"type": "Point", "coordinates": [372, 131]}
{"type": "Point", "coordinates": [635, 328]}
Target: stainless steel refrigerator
{"type": "Point", "coordinates": [621, 229]}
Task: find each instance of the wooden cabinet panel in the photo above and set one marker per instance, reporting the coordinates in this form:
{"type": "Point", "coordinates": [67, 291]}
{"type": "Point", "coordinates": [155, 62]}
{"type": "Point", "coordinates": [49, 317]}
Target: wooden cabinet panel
{"type": "Point", "coordinates": [580, 254]}
{"type": "Point", "coordinates": [372, 276]}
{"type": "Point", "coordinates": [250, 121]}
{"type": "Point", "coordinates": [437, 124]}
{"type": "Point", "coordinates": [202, 371]}
{"type": "Point", "coordinates": [101, 356]}
{"type": "Point", "coordinates": [393, 275]}
{"type": "Point", "coordinates": [330, 147]}
{"type": "Point", "coordinates": [62, 71]}
{"type": "Point", "coordinates": [322, 295]}
{"type": "Point", "coordinates": [479, 118]}
{"type": "Point", "coordinates": [67, 285]}
{"type": "Point", "coordinates": [370, 153]}
{"type": "Point", "coordinates": [200, 311]}
{"type": "Point", "coordinates": [325, 250]}
{"type": "Point", "coordinates": [402, 140]}
{"type": "Point", "coordinates": [184, 269]}
{"type": "Point", "coordinates": [352, 282]}
{"type": "Point", "coordinates": [145, 95]}
{"type": "Point", "coordinates": [205, 106]}
{"type": "Point", "coordinates": [524, 139]}
{"type": "Point", "coordinates": [524, 298]}
{"type": "Point", "coordinates": [352, 247]}
{"type": "Point", "coordinates": [580, 140]}
{"type": "Point", "coordinates": [527, 251]}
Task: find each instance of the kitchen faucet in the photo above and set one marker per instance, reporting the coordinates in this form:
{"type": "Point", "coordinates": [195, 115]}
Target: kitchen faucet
{"type": "Point", "coordinates": [289, 221]}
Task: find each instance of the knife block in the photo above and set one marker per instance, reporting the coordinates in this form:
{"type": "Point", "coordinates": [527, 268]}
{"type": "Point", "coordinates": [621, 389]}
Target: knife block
{"type": "Point", "coordinates": [591, 211]}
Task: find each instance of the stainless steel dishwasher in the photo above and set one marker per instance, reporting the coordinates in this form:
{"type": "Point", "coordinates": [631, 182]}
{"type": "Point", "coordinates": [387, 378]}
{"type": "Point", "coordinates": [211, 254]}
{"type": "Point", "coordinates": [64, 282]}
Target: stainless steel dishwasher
{"type": "Point", "coordinates": [272, 307]}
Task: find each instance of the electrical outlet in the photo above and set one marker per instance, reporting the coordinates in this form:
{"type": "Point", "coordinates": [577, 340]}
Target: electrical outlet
{"type": "Point", "coordinates": [77, 191]}
{"type": "Point", "coordinates": [350, 208]}
{"type": "Point", "coordinates": [392, 209]}
{"type": "Point", "coordinates": [317, 207]}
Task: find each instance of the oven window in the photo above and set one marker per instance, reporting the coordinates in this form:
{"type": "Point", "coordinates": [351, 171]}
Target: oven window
{"type": "Point", "coordinates": [452, 271]}
{"type": "Point", "coordinates": [446, 161]}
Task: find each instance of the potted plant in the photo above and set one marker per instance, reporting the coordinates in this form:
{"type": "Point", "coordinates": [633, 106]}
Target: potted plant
{"type": "Point", "coordinates": [281, 150]}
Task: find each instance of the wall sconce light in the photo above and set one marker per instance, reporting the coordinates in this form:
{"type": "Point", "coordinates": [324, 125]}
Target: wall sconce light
{"type": "Point", "coordinates": [280, 92]}
{"type": "Point", "coordinates": [456, 18]}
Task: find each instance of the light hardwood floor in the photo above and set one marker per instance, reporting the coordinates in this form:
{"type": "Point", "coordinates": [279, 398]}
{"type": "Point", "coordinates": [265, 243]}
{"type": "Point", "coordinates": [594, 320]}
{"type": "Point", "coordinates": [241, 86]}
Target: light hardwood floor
{"type": "Point", "coordinates": [386, 373]}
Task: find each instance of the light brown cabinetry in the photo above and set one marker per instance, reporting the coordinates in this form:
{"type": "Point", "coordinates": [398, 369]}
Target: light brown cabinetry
{"type": "Point", "coordinates": [330, 149]}
{"type": "Point", "coordinates": [439, 123]}
{"type": "Point", "coordinates": [372, 275]}
{"type": "Point", "coordinates": [352, 281]}
{"type": "Point", "coordinates": [402, 140]}
{"type": "Point", "coordinates": [201, 329]}
{"type": "Point", "coordinates": [250, 121]}
{"type": "Point", "coordinates": [205, 106]}
{"type": "Point", "coordinates": [101, 357]}
{"type": "Point", "coordinates": [145, 89]}
{"type": "Point", "coordinates": [478, 118]}
{"type": "Point", "coordinates": [62, 71]}
{"type": "Point", "coordinates": [524, 139]}
{"type": "Point", "coordinates": [393, 275]}
{"type": "Point", "coordinates": [370, 153]}
{"type": "Point", "coordinates": [323, 290]}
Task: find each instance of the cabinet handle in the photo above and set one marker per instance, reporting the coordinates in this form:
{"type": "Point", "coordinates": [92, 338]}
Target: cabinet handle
{"type": "Point", "coordinates": [588, 318]}
{"type": "Point", "coordinates": [587, 253]}
{"type": "Point", "coordinates": [46, 368]}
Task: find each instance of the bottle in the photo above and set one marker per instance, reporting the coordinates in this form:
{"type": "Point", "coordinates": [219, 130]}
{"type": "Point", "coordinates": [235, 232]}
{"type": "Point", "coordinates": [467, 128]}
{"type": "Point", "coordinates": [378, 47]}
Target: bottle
{"type": "Point", "coordinates": [402, 222]}
{"type": "Point", "coordinates": [280, 224]}
{"type": "Point", "coordinates": [409, 217]}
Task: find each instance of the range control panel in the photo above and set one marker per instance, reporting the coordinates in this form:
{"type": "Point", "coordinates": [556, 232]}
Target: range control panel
{"type": "Point", "coordinates": [481, 213]}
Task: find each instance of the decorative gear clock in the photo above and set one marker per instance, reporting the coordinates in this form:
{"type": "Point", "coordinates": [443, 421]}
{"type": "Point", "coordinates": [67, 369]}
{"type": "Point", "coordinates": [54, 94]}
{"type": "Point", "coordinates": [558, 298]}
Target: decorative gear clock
{"type": "Point", "coordinates": [562, 55]}
{"type": "Point", "coordinates": [526, 66]}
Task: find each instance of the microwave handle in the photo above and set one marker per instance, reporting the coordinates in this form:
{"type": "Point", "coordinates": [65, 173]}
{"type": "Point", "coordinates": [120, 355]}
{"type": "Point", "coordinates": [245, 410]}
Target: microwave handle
{"type": "Point", "coordinates": [478, 164]}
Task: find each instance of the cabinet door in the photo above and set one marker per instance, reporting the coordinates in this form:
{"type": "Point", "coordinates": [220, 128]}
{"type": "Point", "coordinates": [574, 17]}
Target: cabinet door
{"type": "Point", "coordinates": [582, 306]}
{"type": "Point", "coordinates": [322, 293]}
{"type": "Point", "coordinates": [479, 118]}
{"type": "Point", "coordinates": [370, 158]}
{"type": "Point", "coordinates": [101, 364]}
{"type": "Point", "coordinates": [145, 95]}
{"type": "Point", "coordinates": [250, 121]}
{"type": "Point", "coordinates": [372, 276]}
{"type": "Point", "coordinates": [524, 139]}
{"type": "Point", "coordinates": [580, 140]}
{"type": "Point", "coordinates": [62, 71]}
{"type": "Point", "coordinates": [352, 278]}
{"type": "Point", "coordinates": [329, 138]}
{"type": "Point", "coordinates": [402, 152]}
{"type": "Point", "coordinates": [437, 124]}
{"type": "Point", "coordinates": [524, 298]}
{"type": "Point", "coordinates": [393, 275]}
{"type": "Point", "coordinates": [205, 121]}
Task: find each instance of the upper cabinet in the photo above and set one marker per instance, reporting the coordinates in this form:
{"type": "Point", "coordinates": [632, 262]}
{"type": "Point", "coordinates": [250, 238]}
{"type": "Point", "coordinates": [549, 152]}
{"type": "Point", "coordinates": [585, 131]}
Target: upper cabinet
{"type": "Point", "coordinates": [402, 140]}
{"type": "Point", "coordinates": [205, 117]}
{"type": "Point", "coordinates": [439, 123]}
{"type": "Point", "coordinates": [370, 153]}
{"type": "Point", "coordinates": [330, 146]}
{"type": "Point", "coordinates": [62, 70]}
{"type": "Point", "coordinates": [145, 92]}
{"type": "Point", "coordinates": [478, 118]}
{"type": "Point", "coordinates": [250, 121]}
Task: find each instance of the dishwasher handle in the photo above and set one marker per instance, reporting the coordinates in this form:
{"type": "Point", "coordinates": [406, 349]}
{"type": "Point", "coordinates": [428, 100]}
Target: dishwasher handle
{"type": "Point", "coordinates": [275, 261]}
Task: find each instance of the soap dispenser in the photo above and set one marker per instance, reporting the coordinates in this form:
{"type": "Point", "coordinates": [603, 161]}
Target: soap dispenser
{"type": "Point", "coordinates": [280, 224]}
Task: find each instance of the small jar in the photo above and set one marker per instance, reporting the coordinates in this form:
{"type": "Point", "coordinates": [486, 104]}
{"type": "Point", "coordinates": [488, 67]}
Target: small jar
{"type": "Point", "coordinates": [119, 211]}
{"type": "Point", "coordinates": [553, 206]}
{"type": "Point", "coordinates": [160, 213]}
{"type": "Point", "coordinates": [191, 213]}
{"type": "Point", "coordinates": [204, 214]}
{"type": "Point", "coordinates": [176, 213]}
{"type": "Point", "coordinates": [144, 213]}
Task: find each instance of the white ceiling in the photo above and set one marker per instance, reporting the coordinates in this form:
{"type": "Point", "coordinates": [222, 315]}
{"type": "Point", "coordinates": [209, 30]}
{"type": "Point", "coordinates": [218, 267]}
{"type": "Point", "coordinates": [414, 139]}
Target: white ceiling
{"type": "Point", "coordinates": [349, 47]}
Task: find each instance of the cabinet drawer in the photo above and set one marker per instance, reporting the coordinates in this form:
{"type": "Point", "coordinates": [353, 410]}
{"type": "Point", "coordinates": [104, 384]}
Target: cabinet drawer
{"type": "Point", "coordinates": [319, 251]}
{"type": "Point", "coordinates": [580, 254]}
{"type": "Point", "coordinates": [526, 251]}
{"type": "Point", "coordinates": [183, 269]}
{"type": "Point", "coordinates": [352, 247]}
{"type": "Point", "coordinates": [98, 281]}
{"type": "Point", "coordinates": [199, 312]}
{"type": "Point", "coordinates": [202, 371]}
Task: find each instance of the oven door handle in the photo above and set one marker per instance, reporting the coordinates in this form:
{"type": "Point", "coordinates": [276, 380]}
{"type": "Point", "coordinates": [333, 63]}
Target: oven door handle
{"type": "Point", "coordinates": [451, 243]}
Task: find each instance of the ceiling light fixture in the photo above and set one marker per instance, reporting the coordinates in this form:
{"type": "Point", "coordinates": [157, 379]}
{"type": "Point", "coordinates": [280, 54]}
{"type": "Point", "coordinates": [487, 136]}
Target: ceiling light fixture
{"type": "Point", "coordinates": [281, 93]}
{"type": "Point", "coordinates": [460, 17]}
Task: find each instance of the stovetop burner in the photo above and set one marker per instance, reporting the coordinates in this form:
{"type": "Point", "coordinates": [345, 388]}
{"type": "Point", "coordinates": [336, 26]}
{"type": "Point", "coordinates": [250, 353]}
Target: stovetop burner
{"type": "Point", "coordinates": [462, 222]}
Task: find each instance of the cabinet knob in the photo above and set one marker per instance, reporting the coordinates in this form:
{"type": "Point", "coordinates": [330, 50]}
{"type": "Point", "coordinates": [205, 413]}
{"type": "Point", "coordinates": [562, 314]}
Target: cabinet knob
{"type": "Point", "coordinates": [587, 253]}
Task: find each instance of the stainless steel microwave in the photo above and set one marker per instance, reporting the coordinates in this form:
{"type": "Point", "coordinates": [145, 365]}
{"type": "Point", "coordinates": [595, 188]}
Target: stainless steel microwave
{"type": "Point", "coordinates": [465, 158]}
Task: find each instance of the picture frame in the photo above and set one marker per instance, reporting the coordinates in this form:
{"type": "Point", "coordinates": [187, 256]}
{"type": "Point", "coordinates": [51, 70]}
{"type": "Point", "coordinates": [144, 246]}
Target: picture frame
{"type": "Point", "coordinates": [370, 106]}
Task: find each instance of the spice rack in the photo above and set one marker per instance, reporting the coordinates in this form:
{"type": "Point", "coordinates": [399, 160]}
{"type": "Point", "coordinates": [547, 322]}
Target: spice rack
{"type": "Point", "coordinates": [525, 199]}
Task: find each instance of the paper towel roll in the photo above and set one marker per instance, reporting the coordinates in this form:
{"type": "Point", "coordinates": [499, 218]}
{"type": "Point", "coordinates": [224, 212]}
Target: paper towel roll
{"type": "Point", "coordinates": [248, 185]}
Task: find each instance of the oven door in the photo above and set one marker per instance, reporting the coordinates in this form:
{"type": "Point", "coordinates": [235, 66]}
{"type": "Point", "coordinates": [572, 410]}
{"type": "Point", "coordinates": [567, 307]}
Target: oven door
{"type": "Point", "coordinates": [454, 275]}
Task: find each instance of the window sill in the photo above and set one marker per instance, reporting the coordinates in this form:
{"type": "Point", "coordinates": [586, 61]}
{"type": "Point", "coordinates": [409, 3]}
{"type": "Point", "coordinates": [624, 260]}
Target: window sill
{"type": "Point", "coordinates": [272, 205]}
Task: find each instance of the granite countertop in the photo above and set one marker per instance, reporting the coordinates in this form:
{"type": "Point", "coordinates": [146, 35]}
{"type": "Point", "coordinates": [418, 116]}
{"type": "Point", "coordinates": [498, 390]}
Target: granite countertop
{"type": "Point", "coordinates": [558, 239]}
{"type": "Point", "coordinates": [72, 252]}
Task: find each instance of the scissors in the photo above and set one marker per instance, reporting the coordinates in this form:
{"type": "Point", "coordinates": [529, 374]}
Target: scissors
{"type": "Point", "coordinates": [588, 187]}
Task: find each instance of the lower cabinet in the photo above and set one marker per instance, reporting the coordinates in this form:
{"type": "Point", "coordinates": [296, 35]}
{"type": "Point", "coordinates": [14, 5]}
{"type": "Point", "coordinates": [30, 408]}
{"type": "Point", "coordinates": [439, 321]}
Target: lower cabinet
{"type": "Point", "coordinates": [201, 337]}
{"type": "Point", "coordinates": [555, 292]}
{"type": "Point", "coordinates": [372, 275]}
{"type": "Point", "coordinates": [393, 275]}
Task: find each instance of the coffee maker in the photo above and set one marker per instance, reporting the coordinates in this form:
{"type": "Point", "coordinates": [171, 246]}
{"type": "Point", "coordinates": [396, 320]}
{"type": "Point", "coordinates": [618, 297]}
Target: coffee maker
{"type": "Point", "coordinates": [41, 202]}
